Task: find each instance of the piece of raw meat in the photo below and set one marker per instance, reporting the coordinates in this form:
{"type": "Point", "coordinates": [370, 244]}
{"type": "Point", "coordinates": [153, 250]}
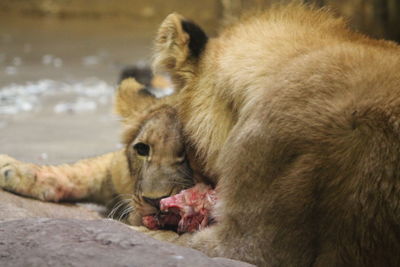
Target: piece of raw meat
{"type": "Point", "coordinates": [167, 220]}
{"type": "Point", "coordinates": [188, 211]}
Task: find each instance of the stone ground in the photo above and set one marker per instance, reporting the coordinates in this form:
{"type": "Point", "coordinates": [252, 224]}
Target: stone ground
{"type": "Point", "coordinates": [91, 243]}
{"type": "Point", "coordinates": [36, 233]}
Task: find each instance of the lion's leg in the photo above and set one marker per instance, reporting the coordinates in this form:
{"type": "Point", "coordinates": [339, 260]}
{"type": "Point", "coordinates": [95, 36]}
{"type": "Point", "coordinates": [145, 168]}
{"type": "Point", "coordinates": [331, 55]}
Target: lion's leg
{"type": "Point", "coordinates": [264, 200]}
{"type": "Point", "coordinates": [85, 179]}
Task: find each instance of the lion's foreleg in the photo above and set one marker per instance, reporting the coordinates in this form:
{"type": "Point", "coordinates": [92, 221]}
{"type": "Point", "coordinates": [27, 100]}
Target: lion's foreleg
{"type": "Point", "coordinates": [85, 179]}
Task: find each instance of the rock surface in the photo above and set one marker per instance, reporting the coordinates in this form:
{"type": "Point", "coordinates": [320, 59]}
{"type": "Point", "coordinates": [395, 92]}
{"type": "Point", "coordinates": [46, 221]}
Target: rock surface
{"type": "Point", "coordinates": [71, 242]}
{"type": "Point", "coordinates": [36, 233]}
{"type": "Point", "coordinates": [14, 207]}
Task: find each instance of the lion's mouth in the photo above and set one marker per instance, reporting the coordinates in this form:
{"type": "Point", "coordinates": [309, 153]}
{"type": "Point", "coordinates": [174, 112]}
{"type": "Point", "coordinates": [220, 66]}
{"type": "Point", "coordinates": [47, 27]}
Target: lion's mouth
{"type": "Point", "coordinates": [162, 220]}
{"type": "Point", "coordinates": [187, 211]}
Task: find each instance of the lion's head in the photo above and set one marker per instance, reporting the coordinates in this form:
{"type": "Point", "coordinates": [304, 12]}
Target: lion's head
{"type": "Point", "coordinates": [157, 161]}
{"type": "Point", "coordinates": [154, 148]}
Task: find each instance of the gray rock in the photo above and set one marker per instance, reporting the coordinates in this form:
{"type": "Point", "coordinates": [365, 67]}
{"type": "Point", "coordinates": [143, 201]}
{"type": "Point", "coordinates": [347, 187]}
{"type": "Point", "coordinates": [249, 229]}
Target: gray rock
{"type": "Point", "coordinates": [72, 242]}
{"type": "Point", "coordinates": [14, 207]}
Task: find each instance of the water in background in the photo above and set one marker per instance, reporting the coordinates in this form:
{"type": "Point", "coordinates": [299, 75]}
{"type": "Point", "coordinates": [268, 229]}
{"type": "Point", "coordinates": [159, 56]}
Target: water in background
{"type": "Point", "coordinates": [57, 79]}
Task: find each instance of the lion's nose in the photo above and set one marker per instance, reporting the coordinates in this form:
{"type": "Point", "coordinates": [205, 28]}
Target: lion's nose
{"type": "Point", "coordinates": [153, 201]}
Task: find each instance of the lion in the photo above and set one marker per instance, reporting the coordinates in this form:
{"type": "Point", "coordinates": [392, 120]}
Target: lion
{"type": "Point", "coordinates": [153, 164]}
{"type": "Point", "coordinates": [295, 118]}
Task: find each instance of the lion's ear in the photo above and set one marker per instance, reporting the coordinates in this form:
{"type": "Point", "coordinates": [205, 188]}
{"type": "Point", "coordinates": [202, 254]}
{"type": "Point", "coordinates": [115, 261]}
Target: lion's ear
{"type": "Point", "coordinates": [171, 32]}
{"type": "Point", "coordinates": [179, 44]}
{"type": "Point", "coordinates": [131, 99]}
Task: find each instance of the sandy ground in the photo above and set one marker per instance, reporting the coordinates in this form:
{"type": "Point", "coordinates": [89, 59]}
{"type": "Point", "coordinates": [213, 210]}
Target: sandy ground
{"type": "Point", "coordinates": [56, 83]}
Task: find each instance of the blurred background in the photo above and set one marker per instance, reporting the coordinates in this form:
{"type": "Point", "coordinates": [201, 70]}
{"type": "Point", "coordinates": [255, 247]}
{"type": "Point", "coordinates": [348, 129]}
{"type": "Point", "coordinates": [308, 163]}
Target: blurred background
{"type": "Point", "coordinates": [60, 61]}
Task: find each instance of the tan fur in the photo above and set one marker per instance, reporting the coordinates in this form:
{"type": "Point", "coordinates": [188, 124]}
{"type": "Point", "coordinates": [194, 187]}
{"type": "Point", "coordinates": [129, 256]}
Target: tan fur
{"type": "Point", "coordinates": [296, 118]}
{"type": "Point", "coordinates": [123, 174]}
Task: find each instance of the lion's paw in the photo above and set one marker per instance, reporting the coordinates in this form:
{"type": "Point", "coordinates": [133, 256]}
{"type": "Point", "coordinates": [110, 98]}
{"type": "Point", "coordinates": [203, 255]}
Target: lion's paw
{"type": "Point", "coordinates": [16, 176]}
{"type": "Point", "coordinates": [6, 160]}
{"type": "Point", "coordinates": [8, 172]}
{"type": "Point", "coordinates": [32, 180]}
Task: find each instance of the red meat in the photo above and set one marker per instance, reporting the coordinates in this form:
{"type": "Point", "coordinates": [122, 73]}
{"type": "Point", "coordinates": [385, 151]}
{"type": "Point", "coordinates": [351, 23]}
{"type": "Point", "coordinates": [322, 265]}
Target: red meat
{"type": "Point", "coordinates": [188, 211]}
{"type": "Point", "coordinates": [167, 220]}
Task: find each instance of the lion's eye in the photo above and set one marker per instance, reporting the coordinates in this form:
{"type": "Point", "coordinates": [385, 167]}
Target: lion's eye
{"type": "Point", "coordinates": [142, 149]}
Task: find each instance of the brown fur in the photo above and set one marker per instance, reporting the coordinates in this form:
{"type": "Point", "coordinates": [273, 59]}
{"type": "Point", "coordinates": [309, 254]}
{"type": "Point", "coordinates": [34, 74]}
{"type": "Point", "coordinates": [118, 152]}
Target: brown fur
{"type": "Point", "coordinates": [124, 174]}
{"type": "Point", "coordinates": [296, 118]}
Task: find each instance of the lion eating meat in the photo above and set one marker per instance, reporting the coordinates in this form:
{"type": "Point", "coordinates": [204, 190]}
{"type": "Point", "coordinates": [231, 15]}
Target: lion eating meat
{"type": "Point", "coordinates": [296, 119]}
{"type": "Point", "coordinates": [152, 166]}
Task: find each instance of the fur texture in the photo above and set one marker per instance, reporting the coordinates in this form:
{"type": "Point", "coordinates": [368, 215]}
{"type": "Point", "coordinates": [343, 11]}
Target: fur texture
{"type": "Point", "coordinates": [296, 119]}
{"type": "Point", "coordinates": [127, 176]}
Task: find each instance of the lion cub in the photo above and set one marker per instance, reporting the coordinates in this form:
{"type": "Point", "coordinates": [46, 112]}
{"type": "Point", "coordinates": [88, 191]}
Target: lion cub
{"type": "Point", "coordinates": [152, 165]}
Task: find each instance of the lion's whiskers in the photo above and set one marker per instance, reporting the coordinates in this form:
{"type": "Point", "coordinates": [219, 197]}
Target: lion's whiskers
{"type": "Point", "coordinates": [126, 211]}
{"type": "Point", "coordinates": [119, 204]}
